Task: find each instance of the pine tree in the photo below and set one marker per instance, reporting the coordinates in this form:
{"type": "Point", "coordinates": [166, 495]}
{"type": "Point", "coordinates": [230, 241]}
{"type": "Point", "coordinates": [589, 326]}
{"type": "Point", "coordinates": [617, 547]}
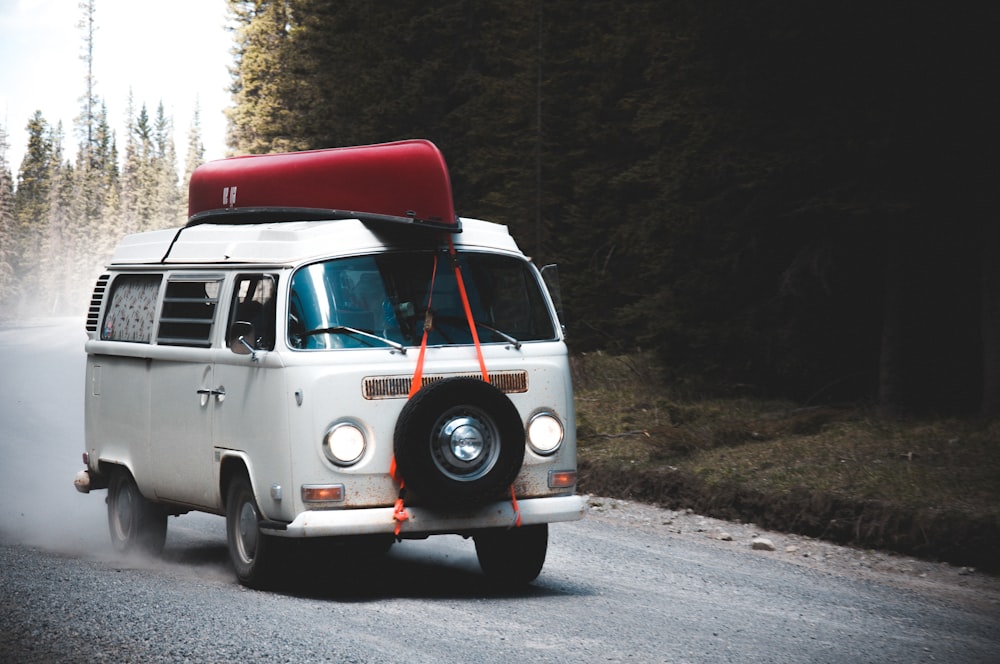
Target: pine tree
{"type": "Point", "coordinates": [95, 179]}
{"type": "Point", "coordinates": [260, 120]}
{"type": "Point", "coordinates": [86, 122]}
{"type": "Point", "coordinates": [8, 284]}
{"type": "Point", "coordinates": [58, 261]}
{"type": "Point", "coordinates": [195, 150]}
{"type": "Point", "coordinates": [90, 232]}
{"type": "Point", "coordinates": [104, 230]}
{"type": "Point", "coordinates": [164, 165]}
{"type": "Point", "coordinates": [139, 178]}
{"type": "Point", "coordinates": [110, 228]}
{"type": "Point", "coordinates": [32, 203]}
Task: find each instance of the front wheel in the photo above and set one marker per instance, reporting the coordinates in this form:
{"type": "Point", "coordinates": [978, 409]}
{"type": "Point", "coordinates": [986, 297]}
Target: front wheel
{"type": "Point", "coordinates": [512, 556]}
{"type": "Point", "coordinates": [252, 553]}
{"type": "Point", "coordinates": [136, 525]}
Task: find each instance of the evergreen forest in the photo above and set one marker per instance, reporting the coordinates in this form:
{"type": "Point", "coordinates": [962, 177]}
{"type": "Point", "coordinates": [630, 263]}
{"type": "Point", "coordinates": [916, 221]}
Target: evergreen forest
{"type": "Point", "coordinates": [62, 213]}
{"type": "Point", "coordinates": [780, 197]}
{"type": "Point", "coordinates": [770, 197]}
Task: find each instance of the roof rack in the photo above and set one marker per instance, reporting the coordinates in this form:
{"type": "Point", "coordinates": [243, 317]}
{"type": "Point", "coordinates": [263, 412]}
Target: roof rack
{"type": "Point", "coordinates": [271, 215]}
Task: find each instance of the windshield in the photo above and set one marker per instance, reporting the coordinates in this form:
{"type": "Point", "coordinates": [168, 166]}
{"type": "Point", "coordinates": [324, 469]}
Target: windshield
{"type": "Point", "coordinates": [386, 295]}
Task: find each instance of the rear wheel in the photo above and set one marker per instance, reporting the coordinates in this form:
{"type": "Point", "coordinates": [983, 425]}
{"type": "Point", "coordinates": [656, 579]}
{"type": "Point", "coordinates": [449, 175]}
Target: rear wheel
{"type": "Point", "coordinates": [136, 525]}
{"type": "Point", "coordinates": [253, 554]}
{"type": "Point", "coordinates": [512, 556]}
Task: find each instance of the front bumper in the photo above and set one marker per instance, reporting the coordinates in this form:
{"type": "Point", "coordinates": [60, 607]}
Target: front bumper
{"type": "Point", "coordinates": [422, 522]}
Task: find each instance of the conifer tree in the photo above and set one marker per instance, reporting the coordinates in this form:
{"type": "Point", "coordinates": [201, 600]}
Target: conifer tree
{"type": "Point", "coordinates": [138, 173]}
{"type": "Point", "coordinates": [32, 203]}
{"type": "Point", "coordinates": [103, 231]}
{"type": "Point", "coordinates": [195, 150]}
{"type": "Point", "coordinates": [8, 284]}
{"type": "Point", "coordinates": [94, 210]}
{"type": "Point", "coordinates": [260, 120]}
{"type": "Point", "coordinates": [167, 193]}
{"type": "Point", "coordinates": [86, 122]}
{"type": "Point", "coordinates": [59, 258]}
{"type": "Point", "coordinates": [106, 234]}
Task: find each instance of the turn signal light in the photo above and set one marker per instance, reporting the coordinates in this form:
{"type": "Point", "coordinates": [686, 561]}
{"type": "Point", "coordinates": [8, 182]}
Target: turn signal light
{"type": "Point", "coordinates": [322, 493]}
{"type": "Point", "coordinates": [562, 479]}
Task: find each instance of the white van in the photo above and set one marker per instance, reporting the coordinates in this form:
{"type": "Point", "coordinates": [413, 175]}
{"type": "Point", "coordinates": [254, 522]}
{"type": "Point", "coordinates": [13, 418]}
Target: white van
{"type": "Point", "coordinates": [326, 351]}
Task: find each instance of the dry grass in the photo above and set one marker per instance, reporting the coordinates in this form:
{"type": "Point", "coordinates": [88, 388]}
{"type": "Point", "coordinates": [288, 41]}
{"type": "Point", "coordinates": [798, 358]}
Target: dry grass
{"type": "Point", "coordinates": [840, 472]}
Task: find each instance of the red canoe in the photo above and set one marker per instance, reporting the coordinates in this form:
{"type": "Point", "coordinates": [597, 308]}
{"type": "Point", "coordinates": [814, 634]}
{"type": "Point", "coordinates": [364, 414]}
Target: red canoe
{"type": "Point", "coordinates": [406, 181]}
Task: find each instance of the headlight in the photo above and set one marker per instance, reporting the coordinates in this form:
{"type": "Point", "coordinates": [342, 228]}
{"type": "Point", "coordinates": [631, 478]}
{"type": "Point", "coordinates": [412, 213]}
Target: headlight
{"type": "Point", "coordinates": [545, 433]}
{"type": "Point", "coordinates": [344, 443]}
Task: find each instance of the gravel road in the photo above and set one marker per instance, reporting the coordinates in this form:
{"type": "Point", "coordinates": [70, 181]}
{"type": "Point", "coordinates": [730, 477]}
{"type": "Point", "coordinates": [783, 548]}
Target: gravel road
{"type": "Point", "coordinates": [620, 586]}
{"type": "Point", "coordinates": [629, 583]}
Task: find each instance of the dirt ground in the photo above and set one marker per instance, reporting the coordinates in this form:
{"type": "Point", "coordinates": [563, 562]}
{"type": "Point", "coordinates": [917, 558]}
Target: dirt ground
{"type": "Point", "coordinates": [964, 585]}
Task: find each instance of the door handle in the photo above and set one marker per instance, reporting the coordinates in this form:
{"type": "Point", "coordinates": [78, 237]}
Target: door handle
{"type": "Point", "coordinates": [219, 392]}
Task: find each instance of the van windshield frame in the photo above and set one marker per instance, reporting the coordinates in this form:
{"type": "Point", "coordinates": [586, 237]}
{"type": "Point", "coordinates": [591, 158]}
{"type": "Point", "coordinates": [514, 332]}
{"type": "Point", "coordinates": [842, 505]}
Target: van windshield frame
{"type": "Point", "coordinates": [386, 296]}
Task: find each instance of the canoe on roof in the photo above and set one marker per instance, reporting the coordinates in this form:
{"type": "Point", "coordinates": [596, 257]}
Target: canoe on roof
{"type": "Point", "coordinates": [404, 181]}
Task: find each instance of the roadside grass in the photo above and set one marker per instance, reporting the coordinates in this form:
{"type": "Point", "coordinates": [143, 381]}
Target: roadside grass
{"type": "Point", "coordinates": [927, 487]}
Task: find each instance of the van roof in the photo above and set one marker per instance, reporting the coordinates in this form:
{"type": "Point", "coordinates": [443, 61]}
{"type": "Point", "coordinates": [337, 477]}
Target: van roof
{"type": "Point", "coordinates": [290, 242]}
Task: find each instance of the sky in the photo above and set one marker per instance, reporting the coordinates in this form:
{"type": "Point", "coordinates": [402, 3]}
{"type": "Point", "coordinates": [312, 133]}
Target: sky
{"type": "Point", "coordinates": [175, 52]}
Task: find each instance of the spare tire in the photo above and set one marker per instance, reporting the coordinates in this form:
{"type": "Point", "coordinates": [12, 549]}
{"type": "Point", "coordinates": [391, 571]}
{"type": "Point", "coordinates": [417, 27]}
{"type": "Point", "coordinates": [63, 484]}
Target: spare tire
{"type": "Point", "coordinates": [459, 441]}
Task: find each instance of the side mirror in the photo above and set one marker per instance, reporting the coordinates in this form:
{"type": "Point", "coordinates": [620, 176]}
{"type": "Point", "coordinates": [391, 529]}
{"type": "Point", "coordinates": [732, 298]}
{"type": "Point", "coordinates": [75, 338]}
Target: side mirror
{"type": "Point", "coordinates": [239, 334]}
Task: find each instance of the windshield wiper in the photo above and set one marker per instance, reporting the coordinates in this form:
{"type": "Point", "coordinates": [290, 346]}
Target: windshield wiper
{"type": "Point", "coordinates": [456, 320]}
{"type": "Point", "coordinates": [343, 329]}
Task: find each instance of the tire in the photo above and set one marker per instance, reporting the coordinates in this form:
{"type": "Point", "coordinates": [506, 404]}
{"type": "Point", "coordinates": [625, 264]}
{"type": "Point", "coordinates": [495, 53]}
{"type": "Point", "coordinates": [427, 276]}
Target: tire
{"type": "Point", "coordinates": [253, 554]}
{"type": "Point", "coordinates": [136, 524]}
{"type": "Point", "coordinates": [512, 556]}
{"type": "Point", "coordinates": [459, 442]}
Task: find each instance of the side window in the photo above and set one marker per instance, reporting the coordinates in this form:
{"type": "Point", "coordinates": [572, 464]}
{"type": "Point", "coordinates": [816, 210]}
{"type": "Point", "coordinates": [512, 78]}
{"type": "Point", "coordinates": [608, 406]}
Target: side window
{"type": "Point", "coordinates": [253, 302]}
{"type": "Point", "coordinates": [130, 313]}
{"type": "Point", "coordinates": [188, 315]}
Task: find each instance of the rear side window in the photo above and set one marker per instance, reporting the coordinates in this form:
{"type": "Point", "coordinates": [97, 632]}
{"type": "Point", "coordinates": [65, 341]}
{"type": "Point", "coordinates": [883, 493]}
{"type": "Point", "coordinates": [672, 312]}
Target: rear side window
{"type": "Point", "coordinates": [132, 308]}
{"type": "Point", "coordinates": [188, 315]}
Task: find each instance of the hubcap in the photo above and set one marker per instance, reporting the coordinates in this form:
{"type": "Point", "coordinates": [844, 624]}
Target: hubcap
{"type": "Point", "coordinates": [465, 439]}
{"type": "Point", "coordinates": [246, 537]}
{"type": "Point", "coordinates": [466, 444]}
{"type": "Point", "coordinates": [123, 514]}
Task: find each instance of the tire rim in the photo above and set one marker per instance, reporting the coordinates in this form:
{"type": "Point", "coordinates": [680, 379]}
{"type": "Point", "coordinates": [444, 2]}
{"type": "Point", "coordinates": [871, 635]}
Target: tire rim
{"type": "Point", "coordinates": [123, 512]}
{"type": "Point", "coordinates": [246, 532]}
{"type": "Point", "coordinates": [465, 444]}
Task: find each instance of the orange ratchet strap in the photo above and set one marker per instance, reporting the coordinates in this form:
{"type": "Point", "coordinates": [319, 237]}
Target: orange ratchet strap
{"type": "Point", "coordinates": [418, 374]}
{"type": "Point", "coordinates": [399, 513]}
{"type": "Point", "coordinates": [517, 510]}
{"type": "Point", "coordinates": [468, 309]}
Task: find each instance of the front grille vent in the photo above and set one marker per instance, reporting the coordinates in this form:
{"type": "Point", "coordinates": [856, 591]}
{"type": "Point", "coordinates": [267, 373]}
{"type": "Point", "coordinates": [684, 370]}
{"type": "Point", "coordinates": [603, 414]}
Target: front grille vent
{"type": "Point", "coordinates": [395, 387]}
{"type": "Point", "coordinates": [94, 312]}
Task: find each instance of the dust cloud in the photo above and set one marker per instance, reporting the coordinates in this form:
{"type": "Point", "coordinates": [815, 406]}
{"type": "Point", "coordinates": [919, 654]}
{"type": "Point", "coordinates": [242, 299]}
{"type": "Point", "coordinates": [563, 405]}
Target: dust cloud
{"type": "Point", "coordinates": [42, 368]}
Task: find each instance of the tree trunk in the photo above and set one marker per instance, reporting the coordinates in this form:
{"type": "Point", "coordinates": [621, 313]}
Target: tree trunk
{"type": "Point", "coordinates": [991, 318]}
{"type": "Point", "coordinates": [890, 397]}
